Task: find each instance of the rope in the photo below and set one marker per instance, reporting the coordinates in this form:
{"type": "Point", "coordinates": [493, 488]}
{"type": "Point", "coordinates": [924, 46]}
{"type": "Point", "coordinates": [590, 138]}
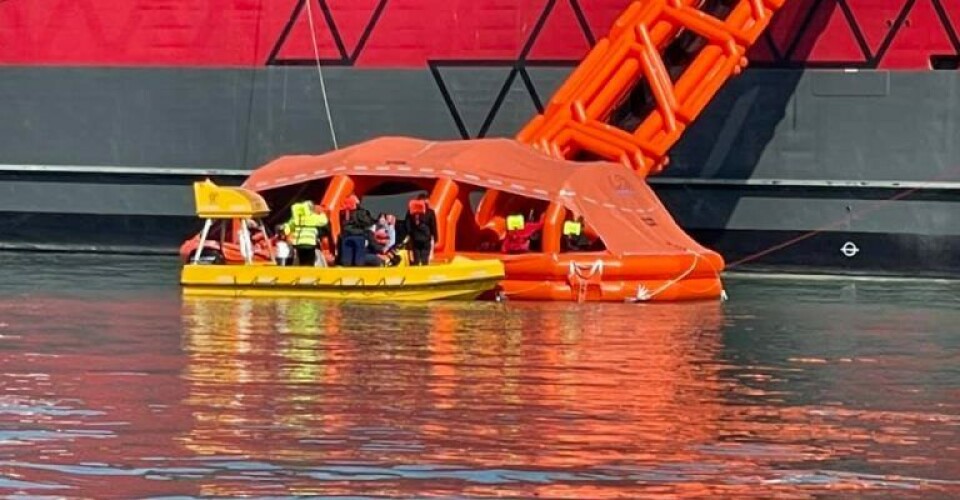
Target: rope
{"type": "Point", "coordinates": [716, 273]}
{"type": "Point", "coordinates": [506, 294]}
{"type": "Point", "coordinates": [643, 296]}
{"type": "Point", "coordinates": [872, 208]}
{"type": "Point", "coordinates": [253, 86]}
{"type": "Point", "coordinates": [793, 241]}
{"type": "Point", "coordinates": [323, 86]}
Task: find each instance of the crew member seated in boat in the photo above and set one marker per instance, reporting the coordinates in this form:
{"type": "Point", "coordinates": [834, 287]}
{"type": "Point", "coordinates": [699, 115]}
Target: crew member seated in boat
{"type": "Point", "coordinates": [421, 229]}
{"type": "Point", "coordinates": [388, 224]}
{"type": "Point", "coordinates": [380, 247]}
{"type": "Point", "coordinates": [574, 240]}
{"type": "Point", "coordinates": [385, 240]}
{"type": "Point", "coordinates": [304, 229]}
{"type": "Point", "coordinates": [355, 223]}
{"type": "Point", "coordinates": [379, 251]}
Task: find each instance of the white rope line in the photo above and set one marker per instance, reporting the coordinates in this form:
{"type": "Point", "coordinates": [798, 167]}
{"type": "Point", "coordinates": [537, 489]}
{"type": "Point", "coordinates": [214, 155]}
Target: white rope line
{"type": "Point", "coordinates": [644, 295]}
{"type": "Point", "coordinates": [323, 85]}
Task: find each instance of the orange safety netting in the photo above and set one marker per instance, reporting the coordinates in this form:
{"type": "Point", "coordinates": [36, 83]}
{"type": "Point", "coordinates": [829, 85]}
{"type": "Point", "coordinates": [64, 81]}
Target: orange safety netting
{"type": "Point", "coordinates": [619, 206]}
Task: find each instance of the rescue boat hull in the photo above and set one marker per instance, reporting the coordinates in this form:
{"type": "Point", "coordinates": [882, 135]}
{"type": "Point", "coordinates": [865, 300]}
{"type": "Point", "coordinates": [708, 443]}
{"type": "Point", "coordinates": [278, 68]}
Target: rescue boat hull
{"type": "Point", "coordinates": [460, 279]}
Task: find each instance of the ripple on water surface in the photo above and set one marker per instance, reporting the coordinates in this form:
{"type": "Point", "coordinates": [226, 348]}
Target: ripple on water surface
{"type": "Point", "coordinates": [793, 388]}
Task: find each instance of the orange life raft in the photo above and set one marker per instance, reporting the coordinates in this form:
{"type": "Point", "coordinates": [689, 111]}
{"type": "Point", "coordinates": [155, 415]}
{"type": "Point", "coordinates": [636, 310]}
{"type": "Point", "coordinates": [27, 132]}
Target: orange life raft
{"type": "Point", "coordinates": [637, 251]}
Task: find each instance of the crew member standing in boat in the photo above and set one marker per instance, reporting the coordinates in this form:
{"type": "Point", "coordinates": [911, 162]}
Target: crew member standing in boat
{"type": "Point", "coordinates": [305, 227]}
{"type": "Point", "coordinates": [355, 223]}
{"type": "Point", "coordinates": [421, 225]}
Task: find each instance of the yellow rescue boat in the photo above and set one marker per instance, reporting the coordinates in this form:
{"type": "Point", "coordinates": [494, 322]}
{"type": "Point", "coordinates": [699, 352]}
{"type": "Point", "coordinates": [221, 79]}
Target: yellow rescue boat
{"type": "Point", "coordinates": [259, 276]}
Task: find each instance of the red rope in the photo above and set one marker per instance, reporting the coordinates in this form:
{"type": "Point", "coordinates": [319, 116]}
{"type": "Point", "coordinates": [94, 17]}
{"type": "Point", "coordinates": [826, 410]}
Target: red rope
{"type": "Point", "coordinates": [808, 235]}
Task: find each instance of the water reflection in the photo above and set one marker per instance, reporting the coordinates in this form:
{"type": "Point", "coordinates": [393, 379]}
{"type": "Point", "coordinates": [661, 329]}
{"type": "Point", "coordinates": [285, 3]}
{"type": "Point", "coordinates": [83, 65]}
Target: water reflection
{"type": "Point", "coordinates": [144, 394]}
{"type": "Point", "coordinates": [553, 399]}
{"type": "Point", "coordinates": [441, 385]}
{"type": "Point", "coordinates": [89, 390]}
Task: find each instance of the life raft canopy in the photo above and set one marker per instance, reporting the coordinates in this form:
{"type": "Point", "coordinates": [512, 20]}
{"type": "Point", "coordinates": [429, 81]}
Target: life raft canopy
{"type": "Point", "coordinates": [215, 202]}
{"type": "Point", "coordinates": [624, 212]}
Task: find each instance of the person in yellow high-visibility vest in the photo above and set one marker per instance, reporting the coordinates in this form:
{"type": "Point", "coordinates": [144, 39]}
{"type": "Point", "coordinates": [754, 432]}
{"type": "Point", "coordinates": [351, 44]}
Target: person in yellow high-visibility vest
{"type": "Point", "coordinates": [515, 222]}
{"type": "Point", "coordinates": [516, 240]}
{"type": "Point", "coordinates": [573, 237]}
{"type": "Point", "coordinates": [304, 230]}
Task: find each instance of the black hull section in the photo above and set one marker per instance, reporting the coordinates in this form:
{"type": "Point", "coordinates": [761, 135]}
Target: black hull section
{"type": "Point", "coordinates": [784, 167]}
{"type": "Point", "coordinates": [90, 233]}
{"type": "Point", "coordinates": [805, 252]}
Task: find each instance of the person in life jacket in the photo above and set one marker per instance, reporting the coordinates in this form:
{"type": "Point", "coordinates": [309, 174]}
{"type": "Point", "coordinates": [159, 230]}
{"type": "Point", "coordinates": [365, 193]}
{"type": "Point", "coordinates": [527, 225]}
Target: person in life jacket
{"type": "Point", "coordinates": [304, 230]}
{"type": "Point", "coordinates": [385, 240]}
{"type": "Point", "coordinates": [520, 234]}
{"type": "Point", "coordinates": [514, 241]}
{"type": "Point", "coordinates": [573, 237]}
{"type": "Point", "coordinates": [378, 243]}
{"type": "Point", "coordinates": [378, 238]}
{"type": "Point", "coordinates": [421, 229]}
{"type": "Point", "coordinates": [355, 226]}
{"type": "Point", "coordinates": [515, 222]}
{"type": "Point", "coordinates": [388, 224]}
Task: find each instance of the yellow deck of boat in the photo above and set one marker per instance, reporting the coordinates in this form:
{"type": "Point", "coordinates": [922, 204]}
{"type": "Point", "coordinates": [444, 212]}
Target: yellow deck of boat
{"type": "Point", "coordinates": [459, 279]}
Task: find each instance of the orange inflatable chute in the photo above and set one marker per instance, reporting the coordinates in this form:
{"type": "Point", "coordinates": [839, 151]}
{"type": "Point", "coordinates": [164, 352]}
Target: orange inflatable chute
{"type": "Point", "coordinates": [341, 186]}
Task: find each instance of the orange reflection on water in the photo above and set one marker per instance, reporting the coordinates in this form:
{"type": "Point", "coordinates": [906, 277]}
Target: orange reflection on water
{"type": "Point", "coordinates": [549, 400]}
{"type": "Point", "coordinates": [160, 397]}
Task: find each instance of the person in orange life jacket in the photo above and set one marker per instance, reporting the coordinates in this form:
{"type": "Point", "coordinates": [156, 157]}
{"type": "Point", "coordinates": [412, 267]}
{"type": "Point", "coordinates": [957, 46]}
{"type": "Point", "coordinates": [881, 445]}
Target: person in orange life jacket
{"type": "Point", "coordinates": [421, 225]}
{"type": "Point", "coordinates": [376, 239]}
{"type": "Point", "coordinates": [388, 224]}
{"type": "Point", "coordinates": [385, 240]}
{"type": "Point", "coordinates": [379, 253]}
{"type": "Point", "coordinates": [355, 223]}
{"type": "Point", "coordinates": [379, 236]}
